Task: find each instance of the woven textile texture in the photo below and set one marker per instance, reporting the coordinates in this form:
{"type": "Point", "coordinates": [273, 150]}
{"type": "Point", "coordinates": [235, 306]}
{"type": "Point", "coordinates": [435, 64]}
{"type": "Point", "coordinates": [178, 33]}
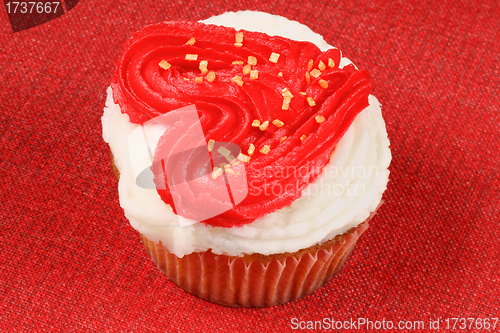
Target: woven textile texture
{"type": "Point", "coordinates": [69, 260]}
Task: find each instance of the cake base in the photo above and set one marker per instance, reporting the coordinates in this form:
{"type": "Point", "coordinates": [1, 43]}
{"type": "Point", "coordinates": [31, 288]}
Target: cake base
{"type": "Point", "coordinates": [255, 280]}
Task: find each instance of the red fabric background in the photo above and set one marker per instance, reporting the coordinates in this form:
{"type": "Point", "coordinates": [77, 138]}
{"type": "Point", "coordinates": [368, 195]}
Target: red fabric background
{"type": "Point", "coordinates": [69, 260]}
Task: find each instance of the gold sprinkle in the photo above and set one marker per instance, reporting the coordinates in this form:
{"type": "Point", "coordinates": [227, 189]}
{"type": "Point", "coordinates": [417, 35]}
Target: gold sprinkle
{"type": "Point", "coordinates": [319, 119]}
{"type": "Point", "coordinates": [303, 137]}
{"type": "Point", "coordinates": [164, 64]}
{"type": "Point", "coordinates": [230, 158]}
{"type": "Point", "coordinates": [266, 149]}
{"type": "Point", "coordinates": [191, 41]}
{"type": "Point", "coordinates": [286, 93]}
{"type": "Point", "coordinates": [311, 101]}
{"type": "Point", "coordinates": [244, 158]}
{"type": "Point", "coordinates": [251, 149]}
{"type": "Point", "coordinates": [280, 74]}
{"type": "Point", "coordinates": [286, 103]}
{"type": "Point", "coordinates": [217, 172]}
{"type": "Point", "coordinates": [283, 139]}
{"type": "Point", "coordinates": [224, 151]}
{"type": "Point", "coordinates": [186, 79]}
{"type": "Point", "coordinates": [238, 44]}
{"type": "Point", "coordinates": [237, 79]}
{"type": "Point", "coordinates": [252, 60]}
{"type": "Point", "coordinates": [210, 76]}
{"type": "Point", "coordinates": [210, 145]}
{"type": "Point", "coordinates": [256, 123]}
{"type": "Point", "coordinates": [239, 37]}
{"type": "Point", "coordinates": [303, 93]}
{"type": "Point", "coordinates": [315, 73]}
{"type": "Point", "coordinates": [331, 63]}
{"type": "Point", "coordinates": [237, 62]}
{"type": "Point", "coordinates": [321, 66]}
{"type": "Point", "coordinates": [308, 78]}
{"type": "Point", "coordinates": [274, 57]}
{"type": "Point", "coordinates": [227, 169]}
{"type": "Point", "coordinates": [323, 83]}
{"type": "Point", "coordinates": [203, 66]}
{"type": "Point", "coordinates": [247, 69]}
{"type": "Point", "coordinates": [264, 125]}
{"type": "Point", "coordinates": [191, 57]}
{"type": "Point", "coordinates": [198, 79]}
{"type": "Point", "coordinates": [310, 64]}
{"type": "Point", "coordinates": [278, 123]}
{"type": "Point", "coordinates": [254, 74]}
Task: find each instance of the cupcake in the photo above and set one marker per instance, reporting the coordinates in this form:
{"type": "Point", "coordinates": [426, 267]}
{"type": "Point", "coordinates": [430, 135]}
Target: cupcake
{"type": "Point", "coordinates": [250, 155]}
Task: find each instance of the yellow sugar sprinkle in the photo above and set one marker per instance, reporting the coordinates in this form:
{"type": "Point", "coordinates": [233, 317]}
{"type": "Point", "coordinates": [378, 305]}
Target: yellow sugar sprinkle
{"type": "Point", "coordinates": [217, 172]}
{"type": "Point", "coordinates": [331, 63]}
{"type": "Point", "coordinates": [247, 69]}
{"type": "Point", "coordinates": [230, 158]}
{"type": "Point", "coordinates": [310, 64]}
{"type": "Point", "coordinates": [203, 66]}
{"type": "Point", "coordinates": [256, 123]}
{"type": "Point", "coordinates": [237, 79]}
{"type": "Point", "coordinates": [251, 149]}
{"type": "Point", "coordinates": [210, 76]}
{"type": "Point", "coordinates": [274, 57]}
{"type": "Point", "coordinates": [252, 60]}
{"type": "Point", "coordinates": [278, 123]}
{"type": "Point", "coordinates": [319, 119]}
{"type": "Point", "coordinates": [239, 37]}
{"type": "Point", "coordinates": [227, 169]}
{"type": "Point", "coordinates": [323, 83]}
{"type": "Point", "coordinates": [164, 64]}
{"type": "Point", "coordinates": [191, 41]}
{"type": "Point", "coordinates": [230, 171]}
{"type": "Point", "coordinates": [224, 151]}
{"type": "Point", "coordinates": [266, 149]}
{"type": "Point", "coordinates": [321, 66]}
{"type": "Point", "coordinates": [311, 101]}
{"type": "Point", "coordinates": [280, 74]}
{"type": "Point", "coordinates": [264, 125]}
{"type": "Point", "coordinates": [286, 103]}
{"type": "Point", "coordinates": [286, 93]}
{"type": "Point", "coordinates": [244, 158]}
{"type": "Point", "coordinates": [237, 62]}
{"type": "Point", "coordinates": [198, 79]}
{"type": "Point", "coordinates": [308, 78]}
{"type": "Point", "coordinates": [186, 79]}
{"type": "Point", "coordinates": [315, 73]}
{"type": "Point", "coordinates": [210, 145]}
{"type": "Point", "coordinates": [303, 137]}
{"type": "Point", "coordinates": [283, 139]}
{"type": "Point", "coordinates": [254, 74]}
{"type": "Point", "coordinates": [303, 93]}
{"type": "Point", "coordinates": [191, 57]}
{"type": "Point", "coordinates": [238, 44]}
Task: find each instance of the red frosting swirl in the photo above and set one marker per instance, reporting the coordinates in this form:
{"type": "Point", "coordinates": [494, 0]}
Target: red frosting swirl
{"type": "Point", "coordinates": [145, 90]}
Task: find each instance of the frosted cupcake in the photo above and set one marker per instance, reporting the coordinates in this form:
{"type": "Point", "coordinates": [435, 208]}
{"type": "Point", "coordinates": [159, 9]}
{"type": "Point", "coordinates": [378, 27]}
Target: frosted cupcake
{"type": "Point", "coordinates": [250, 162]}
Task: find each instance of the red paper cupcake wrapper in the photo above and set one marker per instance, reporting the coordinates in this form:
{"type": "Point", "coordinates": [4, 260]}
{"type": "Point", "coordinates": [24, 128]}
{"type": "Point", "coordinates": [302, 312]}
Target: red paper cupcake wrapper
{"type": "Point", "coordinates": [256, 280]}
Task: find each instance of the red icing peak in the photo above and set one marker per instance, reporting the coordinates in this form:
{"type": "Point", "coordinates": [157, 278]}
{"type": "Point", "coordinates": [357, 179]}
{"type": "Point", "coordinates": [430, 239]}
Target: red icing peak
{"type": "Point", "coordinates": [157, 73]}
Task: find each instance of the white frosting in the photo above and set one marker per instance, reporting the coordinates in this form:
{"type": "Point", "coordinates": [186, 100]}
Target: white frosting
{"type": "Point", "coordinates": [347, 191]}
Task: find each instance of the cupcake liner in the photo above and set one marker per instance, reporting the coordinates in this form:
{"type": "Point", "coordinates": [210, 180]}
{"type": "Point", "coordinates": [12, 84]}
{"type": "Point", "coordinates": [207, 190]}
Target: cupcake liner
{"type": "Point", "coordinates": [256, 280]}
